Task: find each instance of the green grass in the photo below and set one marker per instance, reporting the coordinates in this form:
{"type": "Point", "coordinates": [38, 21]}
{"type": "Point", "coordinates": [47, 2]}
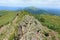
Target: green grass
{"type": "Point", "coordinates": [8, 17]}
{"type": "Point", "coordinates": [8, 31]}
{"type": "Point", "coordinates": [50, 21]}
{"type": "Point", "coordinates": [3, 12]}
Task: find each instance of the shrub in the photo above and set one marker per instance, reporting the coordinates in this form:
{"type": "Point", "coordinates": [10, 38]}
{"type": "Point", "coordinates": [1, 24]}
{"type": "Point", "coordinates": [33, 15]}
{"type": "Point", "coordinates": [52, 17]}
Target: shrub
{"type": "Point", "coordinates": [42, 19]}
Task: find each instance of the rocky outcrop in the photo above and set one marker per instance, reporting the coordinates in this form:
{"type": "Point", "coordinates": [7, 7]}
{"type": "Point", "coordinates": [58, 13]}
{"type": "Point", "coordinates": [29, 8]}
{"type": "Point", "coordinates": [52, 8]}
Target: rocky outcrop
{"type": "Point", "coordinates": [31, 29]}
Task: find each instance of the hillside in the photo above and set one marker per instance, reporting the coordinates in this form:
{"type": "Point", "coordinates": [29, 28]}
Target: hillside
{"type": "Point", "coordinates": [54, 11]}
{"type": "Point", "coordinates": [23, 25]}
{"type": "Point", "coordinates": [31, 29]}
{"type": "Point", "coordinates": [34, 10]}
{"type": "Point", "coordinates": [51, 21]}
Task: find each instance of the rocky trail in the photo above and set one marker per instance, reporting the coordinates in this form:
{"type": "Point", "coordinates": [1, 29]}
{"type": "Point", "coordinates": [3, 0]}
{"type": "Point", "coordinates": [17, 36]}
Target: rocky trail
{"type": "Point", "coordinates": [7, 29]}
{"type": "Point", "coordinates": [31, 29]}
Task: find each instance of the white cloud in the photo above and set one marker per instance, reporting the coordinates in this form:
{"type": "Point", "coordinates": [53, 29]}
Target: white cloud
{"type": "Point", "coordinates": [16, 3]}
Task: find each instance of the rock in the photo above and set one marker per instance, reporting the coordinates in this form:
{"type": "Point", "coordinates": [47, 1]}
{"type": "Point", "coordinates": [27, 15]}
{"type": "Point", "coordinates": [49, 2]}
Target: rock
{"type": "Point", "coordinates": [31, 29]}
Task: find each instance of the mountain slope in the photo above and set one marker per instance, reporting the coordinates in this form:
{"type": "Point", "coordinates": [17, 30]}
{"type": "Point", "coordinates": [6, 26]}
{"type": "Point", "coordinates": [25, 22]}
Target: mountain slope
{"type": "Point", "coordinates": [34, 10]}
{"type": "Point", "coordinates": [51, 21]}
{"type": "Point", "coordinates": [25, 26]}
{"type": "Point", "coordinates": [54, 11]}
{"type": "Point", "coordinates": [31, 29]}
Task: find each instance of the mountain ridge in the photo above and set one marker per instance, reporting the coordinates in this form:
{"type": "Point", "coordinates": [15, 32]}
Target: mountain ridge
{"type": "Point", "coordinates": [30, 26]}
{"type": "Point", "coordinates": [34, 10]}
{"type": "Point", "coordinates": [24, 25]}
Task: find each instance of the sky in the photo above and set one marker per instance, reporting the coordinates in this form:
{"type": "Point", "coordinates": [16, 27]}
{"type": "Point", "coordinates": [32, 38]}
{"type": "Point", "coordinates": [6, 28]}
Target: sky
{"type": "Point", "coordinates": [25, 3]}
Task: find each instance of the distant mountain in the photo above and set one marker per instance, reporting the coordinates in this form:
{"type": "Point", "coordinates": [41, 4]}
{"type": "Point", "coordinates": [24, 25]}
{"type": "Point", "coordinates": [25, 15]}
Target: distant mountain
{"type": "Point", "coordinates": [35, 10]}
{"type": "Point", "coordinates": [54, 11]}
{"type": "Point", "coordinates": [9, 8]}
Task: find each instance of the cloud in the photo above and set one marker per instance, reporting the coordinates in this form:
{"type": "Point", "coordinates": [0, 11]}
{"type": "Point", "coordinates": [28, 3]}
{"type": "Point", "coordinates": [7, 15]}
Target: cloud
{"type": "Point", "coordinates": [18, 3]}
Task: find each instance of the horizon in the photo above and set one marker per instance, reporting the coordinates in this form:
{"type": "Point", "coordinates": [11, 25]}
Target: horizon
{"type": "Point", "coordinates": [19, 8]}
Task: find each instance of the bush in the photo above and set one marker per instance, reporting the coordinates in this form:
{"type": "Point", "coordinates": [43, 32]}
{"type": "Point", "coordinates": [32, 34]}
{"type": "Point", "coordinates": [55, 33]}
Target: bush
{"type": "Point", "coordinates": [52, 27]}
{"type": "Point", "coordinates": [42, 19]}
{"type": "Point", "coordinates": [0, 15]}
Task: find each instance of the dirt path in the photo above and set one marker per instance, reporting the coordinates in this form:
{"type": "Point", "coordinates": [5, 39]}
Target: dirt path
{"type": "Point", "coordinates": [6, 28]}
{"type": "Point", "coordinates": [14, 21]}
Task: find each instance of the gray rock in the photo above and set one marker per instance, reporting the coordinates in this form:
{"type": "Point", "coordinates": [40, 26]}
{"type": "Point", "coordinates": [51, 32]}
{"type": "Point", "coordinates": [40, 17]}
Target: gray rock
{"type": "Point", "coordinates": [31, 29]}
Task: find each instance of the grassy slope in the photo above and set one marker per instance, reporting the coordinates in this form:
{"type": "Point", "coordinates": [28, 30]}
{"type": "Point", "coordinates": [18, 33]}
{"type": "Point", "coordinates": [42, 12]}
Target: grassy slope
{"type": "Point", "coordinates": [3, 12]}
{"type": "Point", "coordinates": [8, 31]}
{"type": "Point", "coordinates": [51, 21]}
{"type": "Point", "coordinates": [8, 17]}
{"type": "Point", "coordinates": [12, 28]}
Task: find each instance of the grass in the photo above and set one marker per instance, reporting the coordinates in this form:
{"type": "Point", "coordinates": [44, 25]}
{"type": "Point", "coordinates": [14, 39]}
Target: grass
{"type": "Point", "coordinates": [8, 17]}
{"type": "Point", "coordinates": [50, 21]}
{"type": "Point", "coordinates": [8, 31]}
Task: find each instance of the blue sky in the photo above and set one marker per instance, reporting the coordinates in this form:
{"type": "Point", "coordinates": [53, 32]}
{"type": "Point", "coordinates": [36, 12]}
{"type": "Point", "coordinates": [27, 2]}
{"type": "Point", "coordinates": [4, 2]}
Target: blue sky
{"type": "Point", "coordinates": [25, 3]}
